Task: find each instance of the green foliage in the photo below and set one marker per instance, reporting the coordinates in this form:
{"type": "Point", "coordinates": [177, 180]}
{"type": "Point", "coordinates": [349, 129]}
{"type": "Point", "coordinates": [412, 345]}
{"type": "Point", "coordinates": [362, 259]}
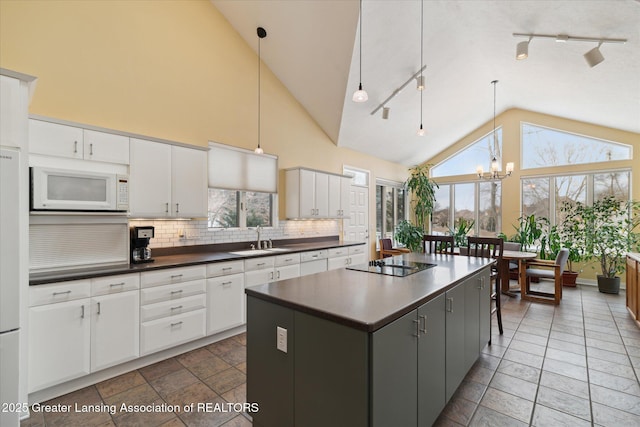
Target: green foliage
{"type": "Point", "coordinates": [461, 230]}
{"type": "Point", "coordinates": [424, 196]}
{"type": "Point", "coordinates": [607, 230]}
{"type": "Point", "coordinates": [409, 235]}
{"type": "Point", "coordinates": [528, 231]}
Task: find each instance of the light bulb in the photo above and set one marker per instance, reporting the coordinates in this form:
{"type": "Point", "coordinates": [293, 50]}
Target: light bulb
{"type": "Point", "coordinates": [360, 95]}
{"type": "Point", "coordinates": [258, 150]}
{"type": "Point", "coordinates": [421, 130]}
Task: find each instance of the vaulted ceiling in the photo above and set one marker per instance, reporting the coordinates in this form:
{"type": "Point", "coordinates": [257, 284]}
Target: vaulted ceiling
{"type": "Point", "coordinates": [313, 48]}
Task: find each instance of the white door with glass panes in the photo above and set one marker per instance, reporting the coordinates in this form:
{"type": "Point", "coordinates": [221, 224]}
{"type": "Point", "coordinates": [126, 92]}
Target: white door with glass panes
{"type": "Point", "coordinates": [357, 225]}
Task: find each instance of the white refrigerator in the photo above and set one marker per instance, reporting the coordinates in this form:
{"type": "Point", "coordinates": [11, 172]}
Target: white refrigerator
{"type": "Point", "coordinates": [9, 285]}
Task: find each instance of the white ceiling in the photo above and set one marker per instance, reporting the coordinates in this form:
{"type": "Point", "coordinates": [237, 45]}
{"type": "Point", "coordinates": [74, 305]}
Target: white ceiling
{"type": "Point", "coordinates": [312, 47]}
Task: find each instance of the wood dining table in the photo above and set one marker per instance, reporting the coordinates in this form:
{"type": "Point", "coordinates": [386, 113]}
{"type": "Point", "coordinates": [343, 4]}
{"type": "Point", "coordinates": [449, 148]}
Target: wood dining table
{"type": "Point", "coordinates": [521, 258]}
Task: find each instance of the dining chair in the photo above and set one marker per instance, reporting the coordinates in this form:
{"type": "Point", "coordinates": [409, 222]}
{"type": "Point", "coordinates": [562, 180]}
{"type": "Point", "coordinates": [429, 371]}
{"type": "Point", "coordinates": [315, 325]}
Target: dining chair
{"type": "Point", "coordinates": [549, 270]}
{"type": "Point", "coordinates": [490, 247]}
{"type": "Point", "coordinates": [513, 246]}
{"type": "Point", "coordinates": [387, 249]}
{"type": "Point", "coordinates": [432, 244]}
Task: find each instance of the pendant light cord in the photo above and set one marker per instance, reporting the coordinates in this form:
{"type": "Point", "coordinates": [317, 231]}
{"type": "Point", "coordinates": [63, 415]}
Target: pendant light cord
{"type": "Point", "coordinates": [259, 79]}
{"type": "Point", "coordinates": [360, 36]}
{"type": "Point", "coordinates": [495, 137]}
{"type": "Point", "coordinates": [421, 53]}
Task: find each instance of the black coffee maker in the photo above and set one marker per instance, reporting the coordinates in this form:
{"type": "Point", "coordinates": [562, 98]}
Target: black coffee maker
{"type": "Point", "coordinates": [139, 241]}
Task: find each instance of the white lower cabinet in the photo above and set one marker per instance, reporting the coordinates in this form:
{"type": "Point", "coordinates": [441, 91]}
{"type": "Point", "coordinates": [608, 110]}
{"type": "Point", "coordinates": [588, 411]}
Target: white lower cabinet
{"type": "Point", "coordinates": [71, 335]}
{"type": "Point", "coordinates": [225, 302]}
{"type": "Point", "coordinates": [114, 340]}
{"type": "Point", "coordinates": [173, 307]}
{"type": "Point", "coordinates": [59, 340]}
{"type": "Point", "coordinates": [346, 256]}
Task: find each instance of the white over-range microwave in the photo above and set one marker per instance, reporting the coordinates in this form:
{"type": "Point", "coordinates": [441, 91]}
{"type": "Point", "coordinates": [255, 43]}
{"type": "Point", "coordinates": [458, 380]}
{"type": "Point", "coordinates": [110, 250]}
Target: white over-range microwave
{"type": "Point", "coordinates": [78, 190]}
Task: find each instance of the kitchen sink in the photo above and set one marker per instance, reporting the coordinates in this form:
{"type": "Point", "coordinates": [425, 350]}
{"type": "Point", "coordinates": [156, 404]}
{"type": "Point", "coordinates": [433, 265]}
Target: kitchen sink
{"type": "Point", "coordinates": [249, 252]}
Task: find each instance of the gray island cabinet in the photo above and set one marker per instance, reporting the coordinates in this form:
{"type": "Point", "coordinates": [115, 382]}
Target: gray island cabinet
{"type": "Point", "coordinates": [351, 348]}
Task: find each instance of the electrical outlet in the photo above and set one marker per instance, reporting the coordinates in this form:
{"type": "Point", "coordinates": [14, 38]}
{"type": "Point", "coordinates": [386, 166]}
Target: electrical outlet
{"type": "Point", "coordinates": [281, 343]}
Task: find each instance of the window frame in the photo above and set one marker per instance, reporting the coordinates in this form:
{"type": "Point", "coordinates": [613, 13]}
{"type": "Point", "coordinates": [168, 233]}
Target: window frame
{"type": "Point", "coordinates": [395, 186]}
{"type": "Point", "coordinates": [242, 210]}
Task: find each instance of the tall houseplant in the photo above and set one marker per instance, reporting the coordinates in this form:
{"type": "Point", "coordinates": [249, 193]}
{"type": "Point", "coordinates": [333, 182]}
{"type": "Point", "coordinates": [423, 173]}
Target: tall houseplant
{"type": "Point", "coordinates": [409, 235]}
{"type": "Point", "coordinates": [528, 231]}
{"type": "Point", "coordinates": [610, 231]}
{"type": "Point", "coordinates": [424, 195]}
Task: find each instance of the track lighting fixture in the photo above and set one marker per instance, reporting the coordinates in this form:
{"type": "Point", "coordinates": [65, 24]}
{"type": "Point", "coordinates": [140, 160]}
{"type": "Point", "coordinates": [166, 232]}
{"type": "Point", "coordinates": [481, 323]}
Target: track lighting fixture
{"type": "Point", "coordinates": [385, 113]}
{"type": "Point", "coordinates": [360, 95]}
{"type": "Point", "coordinates": [421, 78]}
{"type": "Point", "coordinates": [593, 57]}
{"type": "Point", "coordinates": [420, 83]}
{"type": "Point", "coordinates": [262, 33]}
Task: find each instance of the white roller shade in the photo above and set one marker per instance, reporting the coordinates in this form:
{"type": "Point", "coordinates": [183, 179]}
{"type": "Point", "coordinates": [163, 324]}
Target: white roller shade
{"type": "Point", "coordinates": [238, 169]}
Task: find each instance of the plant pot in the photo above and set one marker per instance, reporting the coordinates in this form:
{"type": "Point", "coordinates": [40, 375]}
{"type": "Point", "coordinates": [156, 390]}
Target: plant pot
{"type": "Point", "coordinates": [569, 278]}
{"type": "Point", "coordinates": [608, 285]}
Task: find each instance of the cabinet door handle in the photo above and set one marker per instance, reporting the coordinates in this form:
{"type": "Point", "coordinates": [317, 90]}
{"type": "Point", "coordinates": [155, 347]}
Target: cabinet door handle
{"type": "Point", "coordinates": [278, 274]}
{"type": "Point", "coordinates": [91, 149]}
{"type": "Point", "coordinates": [177, 207]}
{"type": "Point", "coordinates": [176, 292]}
{"type": "Point", "coordinates": [166, 207]}
{"type": "Point", "coordinates": [423, 317]}
{"type": "Point", "coordinates": [113, 285]}
{"type": "Point", "coordinates": [176, 324]}
{"type": "Point", "coordinates": [61, 293]}
{"type": "Point", "coordinates": [450, 309]}
{"type": "Point", "coordinates": [271, 275]}
{"type": "Point", "coordinates": [176, 308]}
{"type": "Point", "coordinates": [417, 334]}
{"type": "Point", "coordinates": [98, 308]}
{"type": "Point", "coordinates": [75, 146]}
{"type": "Point", "coordinates": [82, 314]}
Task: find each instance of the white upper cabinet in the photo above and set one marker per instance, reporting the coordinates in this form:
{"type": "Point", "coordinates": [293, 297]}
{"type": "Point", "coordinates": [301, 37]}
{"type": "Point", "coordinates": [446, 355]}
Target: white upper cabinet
{"type": "Point", "coordinates": [188, 182]}
{"type": "Point", "coordinates": [13, 111]}
{"type": "Point", "coordinates": [313, 194]}
{"type": "Point", "coordinates": [167, 180]}
{"type": "Point", "coordinates": [54, 139]}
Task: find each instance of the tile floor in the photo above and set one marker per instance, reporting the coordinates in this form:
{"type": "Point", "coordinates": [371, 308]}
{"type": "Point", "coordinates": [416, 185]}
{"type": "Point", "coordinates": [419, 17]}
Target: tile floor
{"type": "Point", "coordinates": [572, 365]}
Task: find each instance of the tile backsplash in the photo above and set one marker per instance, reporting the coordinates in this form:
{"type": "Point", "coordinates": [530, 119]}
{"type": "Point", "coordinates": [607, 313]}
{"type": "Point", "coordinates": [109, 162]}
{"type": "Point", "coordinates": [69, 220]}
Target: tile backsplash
{"type": "Point", "coordinates": [195, 232]}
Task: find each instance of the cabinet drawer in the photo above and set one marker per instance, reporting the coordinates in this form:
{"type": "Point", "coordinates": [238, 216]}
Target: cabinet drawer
{"type": "Point", "coordinates": [59, 292]}
{"type": "Point", "coordinates": [113, 284]}
{"type": "Point", "coordinates": [313, 255]}
{"type": "Point", "coordinates": [258, 263]}
{"type": "Point", "coordinates": [353, 250]}
{"type": "Point", "coordinates": [172, 292]}
{"type": "Point", "coordinates": [173, 275]}
{"type": "Point", "coordinates": [169, 332]}
{"type": "Point", "coordinates": [172, 308]}
{"type": "Point", "coordinates": [336, 252]}
{"type": "Point", "coordinates": [223, 268]}
{"type": "Point", "coordinates": [312, 267]}
{"type": "Point", "coordinates": [287, 259]}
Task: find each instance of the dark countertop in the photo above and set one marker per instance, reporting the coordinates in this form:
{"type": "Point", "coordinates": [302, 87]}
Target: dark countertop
{"type": "Point", "coordinates": [181, 257]}
{"type": "Point", "coordinates": [368, 301]}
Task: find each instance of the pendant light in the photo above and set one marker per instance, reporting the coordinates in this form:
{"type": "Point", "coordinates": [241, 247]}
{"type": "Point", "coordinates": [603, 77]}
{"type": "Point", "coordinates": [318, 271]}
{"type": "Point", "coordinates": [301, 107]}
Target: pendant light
{"type": "Point", "coordinates": [262, 33]}
{"type": "Point", "coordinates": [421, 78]}
{"type": "Point", "coordinates": [494, 173]}
{"type": "Point", "coordinates": [360, 95]}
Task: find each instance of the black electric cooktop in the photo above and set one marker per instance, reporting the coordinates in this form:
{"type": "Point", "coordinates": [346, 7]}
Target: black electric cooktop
{"type": "Point", "coordinates": [392, 267]}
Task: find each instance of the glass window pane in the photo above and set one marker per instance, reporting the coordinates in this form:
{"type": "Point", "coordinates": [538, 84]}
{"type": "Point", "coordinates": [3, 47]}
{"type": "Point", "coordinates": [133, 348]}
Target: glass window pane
{"type": "Point", "coordinates": [570, 189]}
{"type": "Point", "coordinates": [259, 209]}
{"type": "Point", "coordinates": [490, 215]}
{"type": "Point", "coordinates": [400, 205]}
{"type": "Point", "coordinates": [441, 211]}
{"type": "Point", "coordinates": [535, 197]}
{"type": "Point", "coordinates": [544, 147]}
{"type": "Point", "coordinates": [480, 153]}
{"type": "Point", "coordinates": [465, 202]}
{"type": "Point", "coordinates": [614, 184]}
{"type": "Point", "coordinates": [388, 216]}
{"type": "Point", "coordinates": [223, 208]}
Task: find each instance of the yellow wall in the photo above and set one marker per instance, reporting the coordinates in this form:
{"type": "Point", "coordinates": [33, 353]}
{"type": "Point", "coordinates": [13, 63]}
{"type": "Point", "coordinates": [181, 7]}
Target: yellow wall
{"type": "Point", "coordinates": [174, 70]}
{"type": "Point", "coordinates": [510, 121]}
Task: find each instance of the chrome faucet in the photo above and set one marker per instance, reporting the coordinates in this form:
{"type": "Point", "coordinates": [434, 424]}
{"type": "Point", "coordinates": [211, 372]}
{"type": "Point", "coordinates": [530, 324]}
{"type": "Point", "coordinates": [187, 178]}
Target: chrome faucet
{"type": "Point", "coordinates": [259, 243]}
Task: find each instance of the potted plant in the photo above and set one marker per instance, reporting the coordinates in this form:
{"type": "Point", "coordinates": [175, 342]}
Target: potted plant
{"type": "Point", "coordinates": [572, 237]}
{"type": "Point", "coordinates": [528, 231]}
{"type": "Point", "coordinates": [409, 235]}
{"type": "Point", "coordinates": [461, 230]}
{"type": "Point", "coordinates": [609, 227]}
{"type": "Point", "coordinates": [424, 195]}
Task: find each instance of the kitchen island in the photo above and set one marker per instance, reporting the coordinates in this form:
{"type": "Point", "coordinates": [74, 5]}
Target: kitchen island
{"type": "Point", "coordinates": [355, 348]}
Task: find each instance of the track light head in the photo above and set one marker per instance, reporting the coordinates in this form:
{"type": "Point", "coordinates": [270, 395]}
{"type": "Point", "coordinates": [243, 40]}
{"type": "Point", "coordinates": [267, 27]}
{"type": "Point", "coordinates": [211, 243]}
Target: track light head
{"type": "Point", "coordinates": [594, 56]}
{"type": "Point", "coordinates": [522, 50]}
{"type": "Point", "coordinates": [385, 113]}
{"type": "Point", "coordinates": [420, 83]}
